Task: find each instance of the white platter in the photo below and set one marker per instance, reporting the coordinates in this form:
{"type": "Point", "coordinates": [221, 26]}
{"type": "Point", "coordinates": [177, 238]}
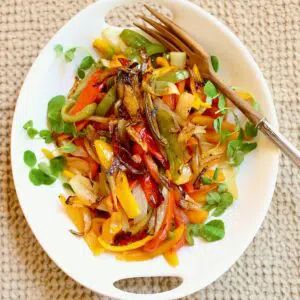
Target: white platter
{"type": "Point", "coordinates": [199, 265]}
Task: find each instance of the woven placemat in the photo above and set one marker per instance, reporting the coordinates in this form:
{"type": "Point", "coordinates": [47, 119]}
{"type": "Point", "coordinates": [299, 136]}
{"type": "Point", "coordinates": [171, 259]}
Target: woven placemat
{"type": "Point", "coordinates": [269, 269]}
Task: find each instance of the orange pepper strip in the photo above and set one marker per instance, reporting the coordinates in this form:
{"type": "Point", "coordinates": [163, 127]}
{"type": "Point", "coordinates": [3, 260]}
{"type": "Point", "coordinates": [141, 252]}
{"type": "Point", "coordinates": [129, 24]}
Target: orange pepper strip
{"type": "Point", "coordinates": [215, 138]}
{"type": "Point", "coordinates": [209, 122]}
{"type": "Point", "coordinates": [88, 94]}
{"type": "Point", "coordinates": [170, 100]}
{"type": "Point", "coordinates": [140, 255]}
{"type": "Point", "coordinates": [181, 86]}
{"type": "Point", "coordinates": [163, 232]}
{"type": "Point", "coordinates": [197, 216]}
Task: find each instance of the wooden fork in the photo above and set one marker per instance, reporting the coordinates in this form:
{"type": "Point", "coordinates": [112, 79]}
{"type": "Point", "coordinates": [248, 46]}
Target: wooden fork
{"type": "Point", "coordinates": [176, 39]}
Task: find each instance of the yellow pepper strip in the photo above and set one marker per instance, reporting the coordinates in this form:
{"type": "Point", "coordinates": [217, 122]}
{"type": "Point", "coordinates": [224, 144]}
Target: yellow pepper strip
{"type": "Point", "coordinates": [139, 255]}
{"type": "Point", "coordinates": [161, 61]}
{"type": "Point", "coordinates": [92, 241]}
{"type": "Point", "coordinates": [104, 47]}
{"type": "Point", "coordinates": [197, 73]}
{"type": "Point", "coordinates": [130, 101]}
{"type": "Point", "coordinates": [74, 213]}
{"type": "Point", "coordinates": [162, 71]}
{"type": "Point", "coordinates": [116, 222]}
{"type": "Point", "coordinates": [77, 200]}
{"type": "Point", "coordinates": [97, 224]}
{"type": "Point", "coordinates": [125, 196]}
{"type": "Point", "coordinates": [171, 258]}
{"type": "Point", "coordinates": [104, 152]}
{"type": "Point", "coordinates": [47, 153]}
{"type": "Point", "coordinates": [68, 173]}
{"type": "Point", "coordinates": [197, 102]}
{"type": "Point", "coordinates": [131, 246]}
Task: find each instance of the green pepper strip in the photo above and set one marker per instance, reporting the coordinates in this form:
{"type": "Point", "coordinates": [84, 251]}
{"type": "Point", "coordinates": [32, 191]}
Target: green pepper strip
{"type": "Point", "coordinates": [85, 113]}
{"type": "Point", "coordinates": [174, 150]}
{"type": "Point", "coordinates": [107, 102]}
{"type": "Point", "coordinates": [175, 77]}
{"type": "Point", "coordinates": [136, 40]}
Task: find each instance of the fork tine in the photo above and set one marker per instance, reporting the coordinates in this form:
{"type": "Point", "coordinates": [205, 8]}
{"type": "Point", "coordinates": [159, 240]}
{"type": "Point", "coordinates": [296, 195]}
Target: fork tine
{"type": "Point", "coordinates": [178, 31]}
{"type": "Point", "coordinates": [157, 36]}
{"type": "Point", "coordinates": [166, 34]}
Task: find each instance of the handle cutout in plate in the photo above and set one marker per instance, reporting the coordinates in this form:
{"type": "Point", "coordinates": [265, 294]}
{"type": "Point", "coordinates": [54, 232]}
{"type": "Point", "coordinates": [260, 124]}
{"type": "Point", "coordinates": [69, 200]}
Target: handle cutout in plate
{"type": "Point", "coordinates": [148, 285]}
{"type": "Point", "coordinates": [124, 15]}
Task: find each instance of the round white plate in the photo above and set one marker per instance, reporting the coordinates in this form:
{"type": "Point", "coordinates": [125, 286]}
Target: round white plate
{"type": "Point", "coordinates": [199, 265]}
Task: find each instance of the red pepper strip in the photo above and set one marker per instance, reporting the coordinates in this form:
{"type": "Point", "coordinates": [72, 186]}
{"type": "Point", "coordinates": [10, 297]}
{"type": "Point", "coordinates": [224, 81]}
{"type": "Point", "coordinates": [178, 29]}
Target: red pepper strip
{"type": "Point", "coordinates": [152, 146]}
{"type": "Point", "coordinates": [180, 217]}
{"type": "Point", "coordinates": [163, 232]}
{"type": "Point", "coordinates": [188, 187]}
{"type": "Point", "coordinates": [151, 191]}
{"type": "Point", "coordinates": [79, 142]}
{"type": "Point", "coordinates": [126, 159]}
{"type": "Point", "coordinates": [181, 86]}
{"type": "Point", "coordinates": [93, 167]}
{"type": "Point", "coordinates": [170, 100]}
{"type": "Point", "coordinates": [80, 125]}
{"type": "Point", "coordinates": [88, 94]}
{"type": "Point", "coordinates": [125, 238]}
{"type": "Point", "coordinates": [211, 112]}
{"type": "Point", "coordinates": [149, 161]}
{"type": "Point", "coordinates": [125, 62]}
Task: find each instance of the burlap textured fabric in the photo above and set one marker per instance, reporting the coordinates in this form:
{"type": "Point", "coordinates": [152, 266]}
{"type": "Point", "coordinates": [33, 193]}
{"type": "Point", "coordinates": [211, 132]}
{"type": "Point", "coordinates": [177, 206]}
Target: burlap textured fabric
{"type": "Point", "coordinates": [270, 267]}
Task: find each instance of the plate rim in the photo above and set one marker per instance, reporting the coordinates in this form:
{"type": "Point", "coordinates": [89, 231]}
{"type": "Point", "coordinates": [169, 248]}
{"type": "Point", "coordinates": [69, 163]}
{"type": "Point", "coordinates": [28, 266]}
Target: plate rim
{"type": "Point", "coordinates": [169, 294]}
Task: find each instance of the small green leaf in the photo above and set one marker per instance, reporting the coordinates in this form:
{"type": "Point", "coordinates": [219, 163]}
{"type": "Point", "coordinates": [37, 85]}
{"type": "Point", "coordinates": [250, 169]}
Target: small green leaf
{"type": "Point", "coordinates": [57, 164]}
{"type": "Point", "coordinates": [222, 187]}
{"type": "Point", "coordinates": [86, 63]}
{"type": "Point", "coordinates": [209, 207]}
{"type": "Point", "coordinates": [46, 135]}
{"type": "Point", "coordinates": [218, 124]}
{"type": "Point", "coordinates": [251, 130]}
{"type": "Point", "coordinates": [35, 176]}
{"type": "Point", "coordinates": [215, 63]}
{"type": "Point", "coordinates": [68, 148]}
{"type": "Point", "coordinates": [193, 230]}
{"type": "Point", "coordinates": [238, 158]}
{"type": "Point", "coordinates": [38, 177]}
{"type": "Point", "coordinates": [237, 122]}
{"type": "Point", "coordinates": [28, 124]}
{"type": "Point", "coordinates": [80, 73]}
{"type": "Point", "coordinates": [213, 198]}
{"type": "Point", "coordinates": [224, 135]}
{"type": "Point", "coordinates": [210, 90]}
{"type": "Point", "coordinates": [45, 168]}
{"type": "Point", "coordinates": [241, 134]}
{"type": "Point", "coordinates": [213, 231]}
{"type": "Point", "coordinates": [225, 202]}
{"type": "Point", "coordinates": [29, 158]}
{"type": "Point", "coordinates": [58, 49]}
{"type": "Point", "coordinates": [31, 132]}
{"type": "Point", "coordinates": [248, 147]}
{"type": "Point", "coordinates": [70, 54]}
{"type": "Point", "coordinates": [206, 180]}
{"type": "Point", "coordinates": [233, 147]}
{"type": "Point", "coordinates": [216, 173]}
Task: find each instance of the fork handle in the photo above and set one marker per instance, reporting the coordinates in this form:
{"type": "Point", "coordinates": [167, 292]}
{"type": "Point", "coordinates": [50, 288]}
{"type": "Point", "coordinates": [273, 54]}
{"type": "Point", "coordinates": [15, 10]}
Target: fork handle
{"type": "Point", "coordinates": [258, 119]}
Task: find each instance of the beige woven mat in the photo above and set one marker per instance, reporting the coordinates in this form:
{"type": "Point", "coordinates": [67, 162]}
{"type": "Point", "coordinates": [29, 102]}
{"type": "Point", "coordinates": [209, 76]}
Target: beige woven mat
{"type": "Point", "coordinates": [269, 269]}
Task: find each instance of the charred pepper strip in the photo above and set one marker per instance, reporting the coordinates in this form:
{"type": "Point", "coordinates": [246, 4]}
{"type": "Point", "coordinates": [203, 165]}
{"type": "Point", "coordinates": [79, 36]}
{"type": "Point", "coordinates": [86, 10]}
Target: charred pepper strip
{"type": "Point", "coordinates": [174, 149]}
